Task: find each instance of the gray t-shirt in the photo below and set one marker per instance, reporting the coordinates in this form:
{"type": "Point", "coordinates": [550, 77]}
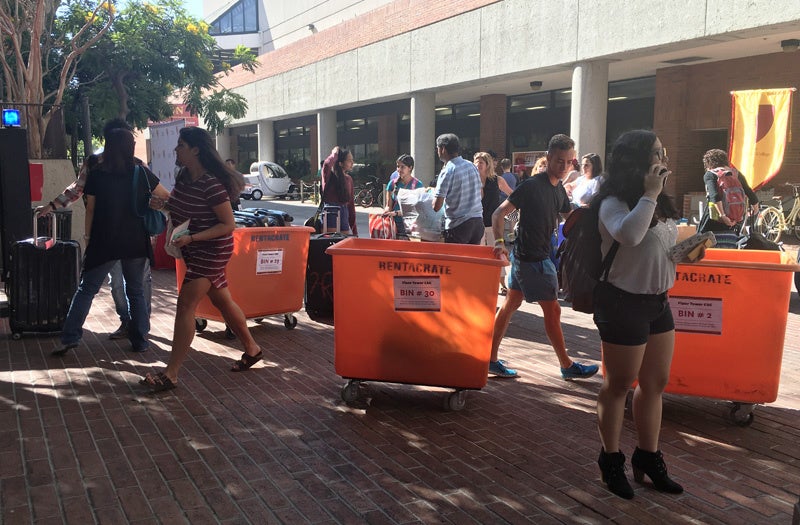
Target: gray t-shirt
{"type": "Point", "coordinates": [642, 264]}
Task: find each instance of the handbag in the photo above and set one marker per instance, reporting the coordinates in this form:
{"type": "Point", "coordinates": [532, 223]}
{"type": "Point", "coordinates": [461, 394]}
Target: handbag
{"type": "Point", "coordinates": [314, 221]}
{"type": "Point", "coordinates": [154, 220]}
{"type": "Point", "coordinates": [754, 240]}
{"type": "Point", "coordinates": [382, 227]}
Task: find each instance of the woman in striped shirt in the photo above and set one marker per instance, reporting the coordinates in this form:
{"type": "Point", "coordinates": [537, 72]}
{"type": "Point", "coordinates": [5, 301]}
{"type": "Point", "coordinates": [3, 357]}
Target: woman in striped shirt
{"type": "Point", "coordinates": [203, 193]}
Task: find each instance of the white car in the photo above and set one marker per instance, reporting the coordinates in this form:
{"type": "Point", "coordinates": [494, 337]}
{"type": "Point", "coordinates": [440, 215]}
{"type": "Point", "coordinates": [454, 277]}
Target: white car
{"type": "Point", "coordinates": [267, 179]}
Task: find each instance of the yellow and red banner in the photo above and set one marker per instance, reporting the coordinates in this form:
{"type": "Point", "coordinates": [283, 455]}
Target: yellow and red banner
{"type": "Point", "coordinates": [759, 129]}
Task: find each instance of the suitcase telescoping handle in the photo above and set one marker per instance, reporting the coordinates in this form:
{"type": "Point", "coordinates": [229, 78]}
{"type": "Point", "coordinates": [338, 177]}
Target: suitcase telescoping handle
{"type": "Point", "coordinates": [45, 242]}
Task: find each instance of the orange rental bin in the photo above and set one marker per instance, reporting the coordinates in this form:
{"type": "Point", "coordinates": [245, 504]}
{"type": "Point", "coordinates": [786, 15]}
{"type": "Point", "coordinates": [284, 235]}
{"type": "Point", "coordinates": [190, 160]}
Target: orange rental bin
{"type": "Point", "coordinates": [730, 312]}
{"type": "Point", "coordinates": [415, 313]}
{"type": "Point", "coordinates": [266, 274]}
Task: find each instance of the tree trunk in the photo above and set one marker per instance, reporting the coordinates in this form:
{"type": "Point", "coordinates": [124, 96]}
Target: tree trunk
{"type": "Point", "coordinates": [122, 95]}
{"type": "Point", "coordinates": [87, 126]}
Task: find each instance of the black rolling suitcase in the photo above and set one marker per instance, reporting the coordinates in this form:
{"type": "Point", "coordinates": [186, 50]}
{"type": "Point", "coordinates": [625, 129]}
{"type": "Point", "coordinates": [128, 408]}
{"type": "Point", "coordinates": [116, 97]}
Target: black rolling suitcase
{"type": "Point", "coordinates": [319, 268]}
{"type": "Point", "coordinates": [45, 273]}
{"type": "Point", "coordinates": [319, 275]}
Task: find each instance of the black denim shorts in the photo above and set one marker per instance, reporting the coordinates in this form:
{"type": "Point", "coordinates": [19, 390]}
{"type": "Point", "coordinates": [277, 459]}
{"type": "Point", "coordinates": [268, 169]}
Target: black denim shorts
{"type": "Point", "coordinates": [625, 318]}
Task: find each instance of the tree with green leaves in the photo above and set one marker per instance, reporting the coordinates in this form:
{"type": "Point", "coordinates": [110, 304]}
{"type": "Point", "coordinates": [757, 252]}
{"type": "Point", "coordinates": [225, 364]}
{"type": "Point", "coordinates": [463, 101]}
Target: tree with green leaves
{"type": "Point", "coordinates": [155, 55]}
{"type": "Point", "coordinates": [38, 57]}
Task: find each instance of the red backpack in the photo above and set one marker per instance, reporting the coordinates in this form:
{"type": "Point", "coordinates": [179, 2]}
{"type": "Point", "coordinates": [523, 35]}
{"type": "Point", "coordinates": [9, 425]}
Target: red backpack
{"type": "Point", "coordinates": [731, 193]}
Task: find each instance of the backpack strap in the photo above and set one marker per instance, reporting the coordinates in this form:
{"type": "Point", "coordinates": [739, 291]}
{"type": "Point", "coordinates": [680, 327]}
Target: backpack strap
{"type": "Point", "coordinates": [605, 267]}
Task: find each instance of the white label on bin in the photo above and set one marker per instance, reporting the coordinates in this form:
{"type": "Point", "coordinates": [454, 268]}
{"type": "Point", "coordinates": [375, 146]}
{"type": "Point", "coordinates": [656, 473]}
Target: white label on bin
{"type": "Point", "coordinates": [417, 294]}
{"type": "Point", "coordinates": [269, 261]}
{"type": "Point", "coordinates": [697, 315]}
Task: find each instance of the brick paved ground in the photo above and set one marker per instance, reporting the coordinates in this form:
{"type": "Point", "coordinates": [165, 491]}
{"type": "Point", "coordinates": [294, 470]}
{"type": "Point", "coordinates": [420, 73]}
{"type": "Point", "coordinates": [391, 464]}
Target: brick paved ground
{"type": "Point", "coordinates": [80, 443]}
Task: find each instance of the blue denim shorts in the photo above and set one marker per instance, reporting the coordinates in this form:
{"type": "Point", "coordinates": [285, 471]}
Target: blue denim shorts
{"type": "Point", "coordinates": [536, 280]}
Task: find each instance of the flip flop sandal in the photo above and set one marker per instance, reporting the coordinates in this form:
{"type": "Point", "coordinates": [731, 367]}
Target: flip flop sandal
{"type": "Point", "coordinates": [246, 362]}
{"type": "Point", "coordinates": [158, 383]}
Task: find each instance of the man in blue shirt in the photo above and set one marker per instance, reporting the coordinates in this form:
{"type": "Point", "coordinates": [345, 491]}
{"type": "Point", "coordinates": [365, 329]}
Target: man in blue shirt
{"type": "Point", "coordinates": [509, 177]}
{"type": "Point", "coordinates": [458, 189]}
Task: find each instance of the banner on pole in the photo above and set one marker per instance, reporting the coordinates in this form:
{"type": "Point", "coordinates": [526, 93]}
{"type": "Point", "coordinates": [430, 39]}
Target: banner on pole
{"type": "Point", "coordinates": [759, 129]}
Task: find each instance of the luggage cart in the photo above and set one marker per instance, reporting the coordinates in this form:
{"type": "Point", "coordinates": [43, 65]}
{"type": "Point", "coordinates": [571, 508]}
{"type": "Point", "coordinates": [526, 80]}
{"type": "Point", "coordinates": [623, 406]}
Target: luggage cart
{"type": "Point", "coordinates": [712, 303]}
{"type": "Point", "coordinates": [266, 275]}
{"type": "Point", "coordinates": [418, 313]}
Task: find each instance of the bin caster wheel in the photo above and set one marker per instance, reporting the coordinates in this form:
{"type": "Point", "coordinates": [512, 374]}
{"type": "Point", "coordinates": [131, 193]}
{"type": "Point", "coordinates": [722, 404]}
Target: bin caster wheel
{"type": "Point", "coordinates": [350, 392]}
{"type": "Point", "coordinates": [741, 414]}
{"type": "Point", "coordinates": [16, 336]}
{"type": "Point", "coordinates": [456, 401]}
{"type": "Point", "coordinates": [200, 325]}
{"type": "Point", "coordinates": [229, 333]}
{"type": "Point", "coordinates": [289, 321]}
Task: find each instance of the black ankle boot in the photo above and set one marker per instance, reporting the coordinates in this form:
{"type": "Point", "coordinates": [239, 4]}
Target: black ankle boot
{"type": "Point", "coordinates": [612, 472]}
{"type": "Point", "coordinates": [652, 464]}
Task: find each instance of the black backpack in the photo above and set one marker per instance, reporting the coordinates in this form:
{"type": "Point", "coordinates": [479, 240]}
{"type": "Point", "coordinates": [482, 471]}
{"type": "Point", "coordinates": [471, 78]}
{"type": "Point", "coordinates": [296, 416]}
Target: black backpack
{"type": "Point", "coordinates": [581, 264]}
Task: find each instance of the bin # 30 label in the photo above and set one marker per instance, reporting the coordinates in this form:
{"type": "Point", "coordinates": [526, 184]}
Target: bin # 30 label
{"type": "Point", "coordinates": [269, 261]}
{"type": "Point", "coordinates": [417, 294]}
{"type": "Point", "coordinates": [698, 315]}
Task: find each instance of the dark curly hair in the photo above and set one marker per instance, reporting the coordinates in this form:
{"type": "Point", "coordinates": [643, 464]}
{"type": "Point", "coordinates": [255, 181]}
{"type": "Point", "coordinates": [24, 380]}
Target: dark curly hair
{"type": "Point", "coordinates": [715, 158]}
{"type": "Point", "coordinates": [630, 161]}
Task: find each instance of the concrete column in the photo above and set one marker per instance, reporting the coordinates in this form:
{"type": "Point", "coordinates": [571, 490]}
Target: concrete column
{"type": "Point", "coordinates": [312, 146]}
{"type": "Point", "coordinates": [589, 107]}
{"type": "Point", "coordinates": [224, 144]}
{"type": "Point", "coordinates": [423, 139]}
{"type": "Point", "coordinates": [266, 140]}
{"type": "Point", "coordinates": [326, 132]}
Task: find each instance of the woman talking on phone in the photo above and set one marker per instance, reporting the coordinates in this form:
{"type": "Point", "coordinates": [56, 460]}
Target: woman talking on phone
{"type": "Point", "coordinates": [632, 314]}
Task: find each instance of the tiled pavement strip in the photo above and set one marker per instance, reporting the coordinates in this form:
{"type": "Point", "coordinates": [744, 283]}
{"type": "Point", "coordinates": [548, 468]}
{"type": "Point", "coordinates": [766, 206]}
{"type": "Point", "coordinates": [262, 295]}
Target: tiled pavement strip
{"type": "Point", "coordinates": [80, 443]}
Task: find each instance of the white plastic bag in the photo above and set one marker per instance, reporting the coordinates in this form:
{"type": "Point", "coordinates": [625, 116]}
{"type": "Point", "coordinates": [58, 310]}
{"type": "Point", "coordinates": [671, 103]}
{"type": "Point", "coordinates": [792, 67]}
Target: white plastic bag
{"type": "Point", "coordinates": [418, 215]}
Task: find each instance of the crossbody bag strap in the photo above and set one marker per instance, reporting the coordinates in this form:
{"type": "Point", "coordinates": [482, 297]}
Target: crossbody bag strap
{"type": "Point", "coordinates": [605, 267]}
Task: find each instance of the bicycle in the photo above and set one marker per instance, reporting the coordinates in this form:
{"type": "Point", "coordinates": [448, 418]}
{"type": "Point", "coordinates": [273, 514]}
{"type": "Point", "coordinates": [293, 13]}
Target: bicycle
{"type": "Point", "coordinates": [371, 195]}
{"type": "Point", "coordinates": [772, 221]}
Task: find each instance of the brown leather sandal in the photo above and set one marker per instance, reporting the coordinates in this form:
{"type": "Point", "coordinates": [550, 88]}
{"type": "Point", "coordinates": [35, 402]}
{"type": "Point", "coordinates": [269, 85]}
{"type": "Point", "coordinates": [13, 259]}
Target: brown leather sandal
{"type": "Point", "coordinates": [246, 362]}
{"type": "Point", "coordinates": [158, 383]}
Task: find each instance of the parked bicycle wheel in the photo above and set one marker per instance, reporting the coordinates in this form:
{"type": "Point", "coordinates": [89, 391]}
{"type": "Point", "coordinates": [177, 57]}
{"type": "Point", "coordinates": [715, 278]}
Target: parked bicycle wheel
{"type": "Point", "coordinates": [795, 227]}
{"type": "Point", "coordinates": [770, 223]}
{"type": "Point", "coordinates": [364, 198]}
{"type": "Point", "coordinates": [378, 198]}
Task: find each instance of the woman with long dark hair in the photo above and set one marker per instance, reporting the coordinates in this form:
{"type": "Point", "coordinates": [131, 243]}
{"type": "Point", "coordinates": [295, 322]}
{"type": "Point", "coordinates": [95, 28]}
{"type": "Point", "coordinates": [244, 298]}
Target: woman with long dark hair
{"type": "Point", "coordinates": [204, 189]}
{"type": "Point", "coordinates": [632, 313]}
{"type": "Point", "coordinates": [337, 188]}
{"type": "Point", "coordinates": [114, 233]}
